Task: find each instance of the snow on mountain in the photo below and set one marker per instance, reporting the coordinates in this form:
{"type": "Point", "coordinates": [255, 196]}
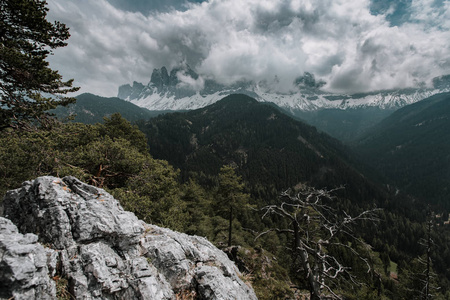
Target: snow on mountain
{"type": "Point", "coordinates": [183, 89]}
{"type": "Point", "coordinates": [168, 101]}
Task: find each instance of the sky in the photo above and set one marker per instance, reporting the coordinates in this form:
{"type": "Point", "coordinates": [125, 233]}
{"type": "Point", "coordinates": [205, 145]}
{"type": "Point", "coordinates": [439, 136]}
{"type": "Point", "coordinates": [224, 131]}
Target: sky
{"type": "Point", "coordinates": [352, 45]}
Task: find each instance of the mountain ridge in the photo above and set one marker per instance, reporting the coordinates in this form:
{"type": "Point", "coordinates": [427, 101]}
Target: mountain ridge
{"type": "Point", "coordinates": [185, 89]}
{"type": "Point", "coordinates": [91, 109]}
{"type": "Point", "coordinates": [343, 116]}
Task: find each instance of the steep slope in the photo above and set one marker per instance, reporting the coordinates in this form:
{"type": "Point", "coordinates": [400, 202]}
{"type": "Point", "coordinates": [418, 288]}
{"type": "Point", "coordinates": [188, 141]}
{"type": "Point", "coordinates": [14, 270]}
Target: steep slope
{"type": "Point", "coordinates": [90, 109]}
{"type": "Point", "coordinates": [347, 125]}
{"type": "Point", "coordinates": [412, 148]}
{"type": "Point", "coordinates": [272, 150]}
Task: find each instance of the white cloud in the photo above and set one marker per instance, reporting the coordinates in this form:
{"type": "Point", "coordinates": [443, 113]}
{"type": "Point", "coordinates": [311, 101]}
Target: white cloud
{"type": "Point", "coordinates": [338, 41]}
{"type": "Point", "coordinates": [432, 13]}
{"type": "Point", "coordinates": [189, 82]}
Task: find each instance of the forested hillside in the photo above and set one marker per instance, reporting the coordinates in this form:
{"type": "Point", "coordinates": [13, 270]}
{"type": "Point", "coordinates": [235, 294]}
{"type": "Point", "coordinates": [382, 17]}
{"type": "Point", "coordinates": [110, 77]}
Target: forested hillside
{"type": "Point", "coordinates": [346, 125]}
{"type": "Point", "coordinates": [91, 109]}
{"type": "Point", "coordinates": [411, 149]}
{"type": "Point", "coordinates": [274, 152]}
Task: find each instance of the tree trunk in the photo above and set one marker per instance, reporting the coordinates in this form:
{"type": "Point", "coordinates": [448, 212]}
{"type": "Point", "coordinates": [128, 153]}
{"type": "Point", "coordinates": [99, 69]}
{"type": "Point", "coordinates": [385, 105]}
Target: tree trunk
{"type": "Point", "coordinates": [230, 227]}
{"type": "Point", "coordinates": [426, 296]}
{"type": "Point", "coordinates": [314, 288]}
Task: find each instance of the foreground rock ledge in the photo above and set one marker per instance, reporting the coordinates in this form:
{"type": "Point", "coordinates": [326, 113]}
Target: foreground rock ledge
{"type": "Point", "coordinates": [93, 249]}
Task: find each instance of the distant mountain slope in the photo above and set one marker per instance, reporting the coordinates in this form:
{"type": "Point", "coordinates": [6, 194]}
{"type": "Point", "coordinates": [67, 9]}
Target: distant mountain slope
{"type": "Point", "coordinates": [347, 125]}
{"type": "Point", "coordinates": [91, 109]}
{"type": "Point", "coordinates": [412, 148]}
{"type": "Point", "coordinates": [346, 116]}
{"type": "Point", "coordinates": [272, 150]}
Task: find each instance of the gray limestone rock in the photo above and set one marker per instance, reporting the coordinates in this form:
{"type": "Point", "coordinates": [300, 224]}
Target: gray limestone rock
{"type": "Point", "coordinates": [23, 265]}
{"type": "Point", "coordinates": [103, 251]}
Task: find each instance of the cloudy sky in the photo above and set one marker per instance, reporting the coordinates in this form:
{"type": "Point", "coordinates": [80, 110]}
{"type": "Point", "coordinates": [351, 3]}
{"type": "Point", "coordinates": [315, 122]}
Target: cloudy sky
{"type": "Point", "coordinates": [353, 45]}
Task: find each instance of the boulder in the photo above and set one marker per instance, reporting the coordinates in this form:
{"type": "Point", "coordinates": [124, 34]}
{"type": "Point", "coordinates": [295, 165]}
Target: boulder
{"type": "Point", "coordinates": [102, 251]}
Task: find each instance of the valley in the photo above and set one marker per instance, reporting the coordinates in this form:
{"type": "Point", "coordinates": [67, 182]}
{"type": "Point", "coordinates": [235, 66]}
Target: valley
{"type": "Point", "coordinates": [274, 152]}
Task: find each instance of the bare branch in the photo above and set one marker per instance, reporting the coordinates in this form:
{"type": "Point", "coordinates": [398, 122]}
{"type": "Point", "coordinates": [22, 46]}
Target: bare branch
{"type": "Point", "coordinates": [315, 227]}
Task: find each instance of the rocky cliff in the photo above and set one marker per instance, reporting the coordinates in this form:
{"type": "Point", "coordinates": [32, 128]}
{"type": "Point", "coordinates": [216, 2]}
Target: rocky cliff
{"type": "Point", "coordinates": [76, 239]}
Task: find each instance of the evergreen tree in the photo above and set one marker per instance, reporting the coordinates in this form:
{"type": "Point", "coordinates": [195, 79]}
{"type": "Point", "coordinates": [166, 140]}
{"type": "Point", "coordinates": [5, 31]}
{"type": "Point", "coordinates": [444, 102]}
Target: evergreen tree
{"type": "Point", "coordinates": [28, 86]}
{"type": "Point", "coordinates": [107, 162]}
{"type": "Point", "coordinates": [118, 127]}
{"type": "Point", "coordinates": [198, 206]}
{"type": "Point", "coordinates": [98, 154]}
{"type": "Point", "coordinates": [153, 195]}
{"type": "Point", "coordinates": [420, 280]}
{"type": "Point", "coordinates": [232, 197]}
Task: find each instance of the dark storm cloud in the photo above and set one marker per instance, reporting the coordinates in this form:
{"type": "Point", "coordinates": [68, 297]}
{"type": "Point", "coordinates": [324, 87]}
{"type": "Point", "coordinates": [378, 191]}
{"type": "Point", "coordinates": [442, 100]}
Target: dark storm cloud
{"type": "Point", "coordinates": [151, 6]}
{"type": "Point", "coordinates": [268, 20]}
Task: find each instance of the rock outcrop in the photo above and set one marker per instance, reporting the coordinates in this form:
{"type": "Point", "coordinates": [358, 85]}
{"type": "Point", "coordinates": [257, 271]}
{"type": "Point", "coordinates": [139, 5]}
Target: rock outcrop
{"type": "Point", "coordinates": [23, 265]}
{"type": "Point", "coordinates": [102, 251]}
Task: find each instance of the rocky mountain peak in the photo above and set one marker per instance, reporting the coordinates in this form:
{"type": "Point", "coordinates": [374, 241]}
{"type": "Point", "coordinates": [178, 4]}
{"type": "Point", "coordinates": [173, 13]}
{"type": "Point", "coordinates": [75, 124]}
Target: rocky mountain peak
{"type": "Point", "coordinates": [160, 78]}
{"type": "Point", "coordinates": [130, 92]}
{"type": "Point", "coordinates": [308, 80]}
{"type": "Point", "coordinates": [96, 250]}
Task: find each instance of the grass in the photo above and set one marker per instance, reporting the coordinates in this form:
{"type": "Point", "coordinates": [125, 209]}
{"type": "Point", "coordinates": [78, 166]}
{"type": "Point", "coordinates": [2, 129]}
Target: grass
{"type": "Point", "coordinates": [62, 288]}
{"type": "Point", "coordinates": [393, 267]}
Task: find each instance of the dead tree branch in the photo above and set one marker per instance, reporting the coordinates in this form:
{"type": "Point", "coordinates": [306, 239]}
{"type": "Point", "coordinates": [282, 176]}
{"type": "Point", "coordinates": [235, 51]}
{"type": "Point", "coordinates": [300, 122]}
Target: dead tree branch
{"type": "Point", "coordinates": [315, 226]}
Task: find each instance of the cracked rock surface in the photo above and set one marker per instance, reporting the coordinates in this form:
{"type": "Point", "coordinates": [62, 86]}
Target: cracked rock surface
{"type": "Point", "coordinates": [101, 250]}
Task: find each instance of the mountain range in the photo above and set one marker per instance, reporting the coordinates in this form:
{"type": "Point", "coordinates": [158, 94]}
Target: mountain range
{"type": "Point", "coordinates": [183, 89]}
{"type": "Point", "coordinates": [346, 115]}
{"type": "Point", "coordinates": [409, 147]}
{"type": "Point", "coordinates": [274, 152]}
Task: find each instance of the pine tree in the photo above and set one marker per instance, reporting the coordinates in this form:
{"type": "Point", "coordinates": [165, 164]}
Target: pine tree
{"type": "Point", "coordinates": [28, 86]}
{"type": "Point", "coordinates": [232, 196]}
